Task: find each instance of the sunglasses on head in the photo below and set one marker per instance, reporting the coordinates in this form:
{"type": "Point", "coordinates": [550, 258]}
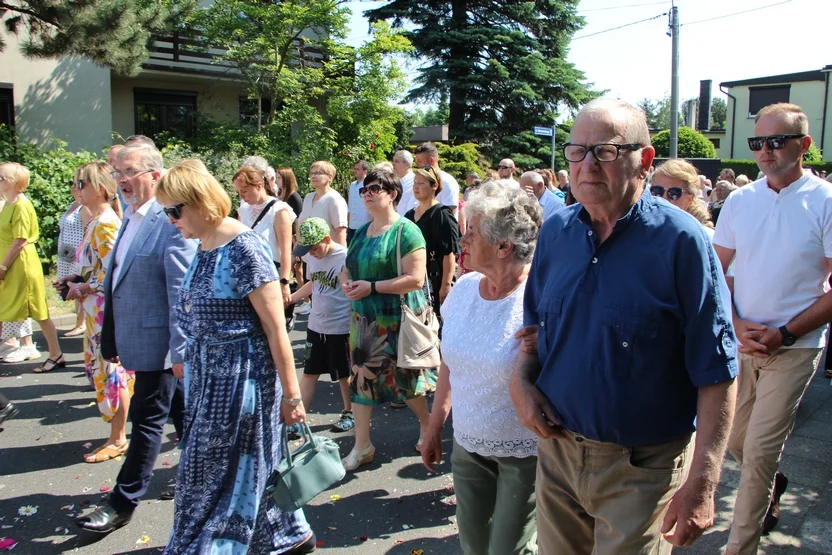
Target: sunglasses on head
{"type": "Point", "coordinates": [174, 212]}
{"type": "Point", "coordinates": [673, 193]}
{"type": "Point", "coordinates": [774, 142]}
{"type": "Point", "coordinates": [373, 189]}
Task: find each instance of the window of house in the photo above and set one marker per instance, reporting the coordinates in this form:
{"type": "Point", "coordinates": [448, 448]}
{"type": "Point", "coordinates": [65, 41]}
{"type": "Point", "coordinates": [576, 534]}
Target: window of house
{"type": "Point", "coordinates": [6, 106]}
{"type": "Point", "coordinates": [760, 97]}
{"type": "Point", "coordinates": [715, 142]}
{"type": "Point", "coordinates": [248, 111]}
{"type": "Point", "coordinates": [160, 110]}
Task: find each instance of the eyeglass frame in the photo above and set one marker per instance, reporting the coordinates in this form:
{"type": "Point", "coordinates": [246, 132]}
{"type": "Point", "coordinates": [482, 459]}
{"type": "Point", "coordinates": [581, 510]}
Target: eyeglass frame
{"type": "Point", "coordinates": [364, 190]}
{"type": "Point", "coordinates": [769, 138]}
{"type": "Point", "coordinates": [666, 192]}
{"type": "Point", "coordinates": [80, 184]}
{"type": "Point", "coordinates": [116, 174]}
{"type": "Point", "coordinates": [630, 147]}
{"type": "Point", "coordinates": [174, 212]}
{"type": "Point", "coordinates": [505, 167]}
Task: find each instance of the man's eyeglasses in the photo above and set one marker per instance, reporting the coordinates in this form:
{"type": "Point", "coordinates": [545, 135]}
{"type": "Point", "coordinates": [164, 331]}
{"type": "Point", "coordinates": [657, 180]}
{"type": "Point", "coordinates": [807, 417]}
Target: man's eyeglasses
{"type": "Point", "coordinates": [774, 142]}
{"type": "Point", "coordinates": [673, 193]}
{"type": "Point", "coordinates": [129, 174]}
{"type": "Point", "coordinates": [505, 168]}
{"type": "Point", "coordinates": [603, 152]}
{"type": "Point", "coordinates": [174, 212]}
{"type": "Point", "coordinates": [373, 189]}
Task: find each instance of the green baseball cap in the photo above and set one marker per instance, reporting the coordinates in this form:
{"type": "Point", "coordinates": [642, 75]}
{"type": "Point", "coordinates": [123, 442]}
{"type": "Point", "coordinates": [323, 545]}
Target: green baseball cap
{"type": "Point", "coordinates": [310, 233]}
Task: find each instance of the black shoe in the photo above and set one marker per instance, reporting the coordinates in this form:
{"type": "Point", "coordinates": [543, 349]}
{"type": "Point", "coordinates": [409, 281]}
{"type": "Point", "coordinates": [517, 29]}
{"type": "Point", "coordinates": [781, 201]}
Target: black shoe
{"type": "Point", "coordinates": [306, 547]}
{"type": "Point", "coordinates": [773, 514]}
{"type": "Point", "coordinates": [9, 412]}
{"type": "Point", "coordinates": [290, 324]}
{"type": "Point", "coordinates": [103, 520]}
{"type": "Point", "coordinates": [168, 493]}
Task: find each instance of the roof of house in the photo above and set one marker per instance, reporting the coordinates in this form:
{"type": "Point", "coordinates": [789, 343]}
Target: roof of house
{"type": "Point", "coordinates": [816, 75]}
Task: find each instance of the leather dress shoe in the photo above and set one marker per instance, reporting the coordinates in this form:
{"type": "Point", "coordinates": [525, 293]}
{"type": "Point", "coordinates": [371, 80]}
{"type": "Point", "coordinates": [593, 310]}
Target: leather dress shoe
{"type": "Point", "coordinates": [168, 493]}
{"type": "Point", "coordinates": [773, 514]}
{"type": "Point", "coordinates": [307, 546]}
{"type": "Point", "coordinates": [103, 520]}
{"type": "Point", "coordinates": [10, 411]}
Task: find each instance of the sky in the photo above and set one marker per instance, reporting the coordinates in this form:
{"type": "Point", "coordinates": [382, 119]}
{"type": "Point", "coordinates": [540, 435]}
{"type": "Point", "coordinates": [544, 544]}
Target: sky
{"type": "Point", "coordinates": [786, 38]}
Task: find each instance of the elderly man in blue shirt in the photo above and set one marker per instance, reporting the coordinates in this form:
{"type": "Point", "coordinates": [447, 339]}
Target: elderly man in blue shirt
{"type": "Point", "coordinates": [633, 342]}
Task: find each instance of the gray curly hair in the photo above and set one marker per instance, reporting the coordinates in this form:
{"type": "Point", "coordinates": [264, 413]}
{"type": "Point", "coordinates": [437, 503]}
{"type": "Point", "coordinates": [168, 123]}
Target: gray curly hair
{"type": "Point", "coordinates": [507, 214]}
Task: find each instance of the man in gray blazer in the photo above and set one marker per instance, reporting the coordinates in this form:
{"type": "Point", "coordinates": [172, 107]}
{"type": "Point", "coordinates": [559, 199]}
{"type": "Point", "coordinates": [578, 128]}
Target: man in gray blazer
{"type": "Point", "coordinates": [140, 328]}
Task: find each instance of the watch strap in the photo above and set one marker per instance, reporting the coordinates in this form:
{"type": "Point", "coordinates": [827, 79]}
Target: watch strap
{"type": "Point", "coordinates": [373, 288]}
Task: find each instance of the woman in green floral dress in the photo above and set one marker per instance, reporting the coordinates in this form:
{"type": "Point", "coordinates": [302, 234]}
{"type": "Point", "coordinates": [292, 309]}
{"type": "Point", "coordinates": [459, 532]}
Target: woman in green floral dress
{"type": "Point", "coordinates": [371, 280]}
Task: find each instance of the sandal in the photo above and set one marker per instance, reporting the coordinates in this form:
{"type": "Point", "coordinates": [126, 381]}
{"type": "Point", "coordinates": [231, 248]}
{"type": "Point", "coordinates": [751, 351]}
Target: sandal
{"type": "Point", "coordinates": [76, 332]}
{"type": "Point", "coordinates": [358, 457]}
{"type": "Point", "coordinates": [59, 362]}
{"type": "Point", "coordinates": [106, 453]}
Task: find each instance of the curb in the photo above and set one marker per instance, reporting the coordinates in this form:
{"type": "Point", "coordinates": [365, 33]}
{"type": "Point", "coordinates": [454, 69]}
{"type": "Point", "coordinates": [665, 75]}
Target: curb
{"type": "Point", "coordinates": [62, 320]}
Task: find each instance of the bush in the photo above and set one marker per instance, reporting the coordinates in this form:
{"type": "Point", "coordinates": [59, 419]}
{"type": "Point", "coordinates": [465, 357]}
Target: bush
{"type": "Point", "coordinates": [49, 184]}
{"type": "Point", "coordinates": [458, 160]}
{"type": "Point", "coordinates": [692, 144]}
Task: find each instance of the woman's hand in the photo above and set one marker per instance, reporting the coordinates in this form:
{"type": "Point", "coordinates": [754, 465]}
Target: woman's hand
{"type": "Point", "coordinates": [356, 290]}
{"type": "Point", "coordinates": [292, 415]}
{"type": "Point", "coordinates": [431, 448]}
{"type": "Point", "coordinates": [74, 292]}
{"type": "Point", "coordinates": [58, 283]}
{"type": "Point", "coordinates": [443, 292]}
{"type": "Point", "coordinates": [287, 294]}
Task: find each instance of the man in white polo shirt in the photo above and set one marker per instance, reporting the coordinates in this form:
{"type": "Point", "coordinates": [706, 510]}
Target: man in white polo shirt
{"type": "Point", "coordinates": [358, 214]}
{"type": "Point", "coordinates": [426, 154]}
{"type": "Point", "coordinates": [778, 231]}
{"type": "Point", "coordinates": [402, 164]}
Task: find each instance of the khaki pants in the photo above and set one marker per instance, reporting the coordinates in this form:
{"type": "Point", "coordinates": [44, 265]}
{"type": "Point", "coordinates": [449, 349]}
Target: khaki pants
{"type": "Point", "coordinates": [769, 393]}
{"type": "Point", "coordinates": [605, 499]}
{"type": "Point", "coordinates": [494, 503]}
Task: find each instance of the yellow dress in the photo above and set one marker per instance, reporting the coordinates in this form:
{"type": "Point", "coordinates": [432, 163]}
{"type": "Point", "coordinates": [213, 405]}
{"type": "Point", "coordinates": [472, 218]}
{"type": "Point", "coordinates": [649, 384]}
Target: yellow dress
{"type": "Point", "coordinates": [22, 292]}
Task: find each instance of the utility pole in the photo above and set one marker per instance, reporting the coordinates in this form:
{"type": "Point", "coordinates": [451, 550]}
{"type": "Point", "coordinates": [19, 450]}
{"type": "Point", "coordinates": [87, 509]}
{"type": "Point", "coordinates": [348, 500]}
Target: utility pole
{"type": "Point", "coordinates": [674, 82]}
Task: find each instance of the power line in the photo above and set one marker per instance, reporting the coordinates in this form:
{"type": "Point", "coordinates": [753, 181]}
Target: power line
{"type": "Point", "coordinates": [737, 13]}
{"type": "Point", "coordinates": [621, 26]}
{"type": "Point", "coordinates": [621, 7]}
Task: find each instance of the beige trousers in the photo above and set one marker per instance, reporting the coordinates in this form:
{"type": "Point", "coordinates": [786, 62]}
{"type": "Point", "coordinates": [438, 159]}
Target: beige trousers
{"type": "Point", "coordinates": [603, 499]}
{"type": "Point", "coordinates": [769, 392]}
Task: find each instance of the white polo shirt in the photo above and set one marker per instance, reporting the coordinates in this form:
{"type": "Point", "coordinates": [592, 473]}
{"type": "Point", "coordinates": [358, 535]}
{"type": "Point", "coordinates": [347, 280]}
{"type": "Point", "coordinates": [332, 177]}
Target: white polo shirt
{"type": "Point", "coordinates": [550, 203]}
{"type": "Point", "coordinates": [782, 242]}
{"type": "Point", "coordinates": [449, 195]}
{"type": "Point", "coordinates": [408, 201]}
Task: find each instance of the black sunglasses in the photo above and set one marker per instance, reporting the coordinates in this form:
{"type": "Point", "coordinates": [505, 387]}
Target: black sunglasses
{"type": "Point", "coordinates": [174, 212]}
{"type": "Point", "coordinates": [504, 168]}
{"type": "Point", "coordinates": [673, 193]}
{"type": "Point", "coordinates": [774, 142]}
{"type": "Point", "coordinates": [80, 184]}
{"type": "Point", "coordinates": [374, 189]}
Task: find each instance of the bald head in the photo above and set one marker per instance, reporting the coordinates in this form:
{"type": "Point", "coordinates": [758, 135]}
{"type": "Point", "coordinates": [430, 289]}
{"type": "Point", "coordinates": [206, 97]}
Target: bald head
{"type": "Point", "coordinates": [627, 118]}
{"type": "Point", "coordinates": [533, 183]}
{"type": "Point", "coordinates": [505, 169]}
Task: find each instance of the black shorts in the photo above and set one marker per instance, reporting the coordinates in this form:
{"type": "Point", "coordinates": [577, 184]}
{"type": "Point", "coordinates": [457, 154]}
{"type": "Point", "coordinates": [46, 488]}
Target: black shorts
{"type": "Point", "coordinates": [327, 354]}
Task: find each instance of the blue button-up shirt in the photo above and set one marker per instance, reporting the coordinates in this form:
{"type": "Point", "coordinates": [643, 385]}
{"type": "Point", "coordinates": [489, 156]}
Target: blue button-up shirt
{"type": "Point", "coordinates": [630, 328]}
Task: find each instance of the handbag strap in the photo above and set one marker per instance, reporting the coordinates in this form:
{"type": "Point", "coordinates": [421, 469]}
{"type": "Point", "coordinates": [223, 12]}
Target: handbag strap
{"type": "Point", "coordinates": [263, 213]}
{"type": "Point", "coordinates": [399, 266]}
{"type": "Point", "coordinates": [306, 434]}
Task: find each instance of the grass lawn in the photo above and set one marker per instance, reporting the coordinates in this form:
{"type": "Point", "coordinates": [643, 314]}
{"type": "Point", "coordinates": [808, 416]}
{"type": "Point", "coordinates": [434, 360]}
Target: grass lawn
{"type": "Point", "coordinates": [56, 306]}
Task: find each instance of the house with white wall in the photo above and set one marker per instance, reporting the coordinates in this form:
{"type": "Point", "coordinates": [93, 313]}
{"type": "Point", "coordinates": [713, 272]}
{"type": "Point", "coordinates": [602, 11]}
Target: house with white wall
{"type": "Point", "coordinates": [808, 89]}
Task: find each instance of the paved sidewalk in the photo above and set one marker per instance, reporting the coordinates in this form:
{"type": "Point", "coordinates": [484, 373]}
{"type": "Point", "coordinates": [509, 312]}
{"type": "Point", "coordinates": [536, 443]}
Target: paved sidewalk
{"type": "Point", "coordinates": [392, 506]}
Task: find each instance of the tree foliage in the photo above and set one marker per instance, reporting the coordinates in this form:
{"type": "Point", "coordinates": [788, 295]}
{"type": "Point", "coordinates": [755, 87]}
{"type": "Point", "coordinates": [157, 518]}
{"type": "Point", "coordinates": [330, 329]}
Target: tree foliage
{"type": "Point", "coordinates": [719, 113]}
{"type": "Point", "coordinates": [692, 144]}
{"type": "Point", "coordinates": [113, 33]}
{"type": "Point", "coordinates": [502, 66]}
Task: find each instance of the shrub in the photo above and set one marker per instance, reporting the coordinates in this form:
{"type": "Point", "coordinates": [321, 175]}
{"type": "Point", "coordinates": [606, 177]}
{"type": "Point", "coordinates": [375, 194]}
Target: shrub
{"type": "Point", "coordinates": [458, 160]}
{"type": "Point", "coordinates": [692, 144]}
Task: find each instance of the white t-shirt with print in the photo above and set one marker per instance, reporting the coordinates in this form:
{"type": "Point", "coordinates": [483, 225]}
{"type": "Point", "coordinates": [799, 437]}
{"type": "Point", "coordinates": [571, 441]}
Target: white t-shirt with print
{"type": "Point", "coordinates": [331, 309]}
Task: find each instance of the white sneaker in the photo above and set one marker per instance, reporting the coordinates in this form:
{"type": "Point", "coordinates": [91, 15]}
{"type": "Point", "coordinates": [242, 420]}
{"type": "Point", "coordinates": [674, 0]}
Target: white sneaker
{"type": "Point", "coordinates": [8, 348]}
{"type": "Point", "coordinates": [22, 354]}
{"type": "Point", "coordinates": [304, 308]}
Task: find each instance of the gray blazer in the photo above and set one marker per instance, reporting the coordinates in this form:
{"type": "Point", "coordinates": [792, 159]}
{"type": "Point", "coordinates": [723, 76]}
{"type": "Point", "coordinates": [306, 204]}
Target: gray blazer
{"type": "Point", "coordinates": [140, 324]}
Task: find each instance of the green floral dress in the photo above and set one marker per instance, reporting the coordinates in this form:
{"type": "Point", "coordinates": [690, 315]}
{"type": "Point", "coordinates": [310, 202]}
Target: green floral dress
{"type": "Point", "coordinates": [374, 331]}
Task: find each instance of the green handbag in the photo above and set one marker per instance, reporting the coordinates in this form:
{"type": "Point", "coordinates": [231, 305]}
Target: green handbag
{"type": "Point", "coordinates": [312, 468]}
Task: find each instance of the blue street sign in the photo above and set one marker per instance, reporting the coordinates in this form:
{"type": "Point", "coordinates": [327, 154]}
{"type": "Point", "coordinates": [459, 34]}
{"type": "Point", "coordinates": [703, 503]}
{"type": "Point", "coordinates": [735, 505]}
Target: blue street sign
{"type": "Point", "coordinates": [543, 131]}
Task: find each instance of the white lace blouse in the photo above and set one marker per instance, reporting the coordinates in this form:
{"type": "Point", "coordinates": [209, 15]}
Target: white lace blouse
{"type": "Point", "coordinates": [480, 351]}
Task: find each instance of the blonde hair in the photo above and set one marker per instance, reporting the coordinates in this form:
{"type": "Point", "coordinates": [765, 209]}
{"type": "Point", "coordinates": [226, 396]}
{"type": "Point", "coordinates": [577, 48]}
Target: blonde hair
{"type": "Point", "coordinates": [189, 184]}
{"type": "Point", "coordinates": [19, 175]}
{"type": "Point", "coordinates": [687, 173]}
{"type": "Point", "coordinates": [741, 180]}
{"type": "Point", "coordinates": [97, 175]}
{"type": "Point", "coordinates": [794, 113]}
{"type": "Point", "coordinates": [327, 168]}
{"type": "Point", "coordinates": [434, 180]}
{"type": "Point", "coordinates": [386, 166]}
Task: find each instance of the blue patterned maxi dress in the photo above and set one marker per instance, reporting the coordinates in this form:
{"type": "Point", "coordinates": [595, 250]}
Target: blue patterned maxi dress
{"type": "Point", "coordinates": [231, 441]}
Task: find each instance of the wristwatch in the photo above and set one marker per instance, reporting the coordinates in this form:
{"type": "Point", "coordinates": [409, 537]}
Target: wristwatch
{"type": "Point", "coordinates": [293, 402]}
{"type": "Point", "coordinates": [284, 281]}
{"type": "Point", "coordinates": [373, 288]}
{"type": "Point", "coordinates": [788, 338]}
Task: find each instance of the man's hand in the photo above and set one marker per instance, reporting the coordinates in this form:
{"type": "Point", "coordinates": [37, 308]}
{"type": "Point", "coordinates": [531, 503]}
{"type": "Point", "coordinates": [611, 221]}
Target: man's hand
{"type": "Point", "coordinates": [691, 510]}
{"type": "Point", "coordinates": [533, 409]}
{"type": "Point", "coordinates": [431, 449]}
{"type": "Point", "coordinates": [528, 334]}
{"type": "Point", "coordinates": [178, 370]}
{"type": "Point", "coordinates": [749, 334]}
{"type": "Point", "coordinates": [772, 339]}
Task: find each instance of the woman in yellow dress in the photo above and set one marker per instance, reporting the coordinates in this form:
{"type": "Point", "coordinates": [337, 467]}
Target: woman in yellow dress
{"type": "Point", "coordinates": [22, 291]}
{"type": "Point", "coordinates": [113, 384]}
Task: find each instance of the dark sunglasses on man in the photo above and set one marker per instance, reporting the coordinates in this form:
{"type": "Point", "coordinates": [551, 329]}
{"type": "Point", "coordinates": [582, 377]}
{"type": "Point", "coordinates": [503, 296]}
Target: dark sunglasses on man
{"type": "Point", "coordinates": [373, 189]}
{"type": "Point", "coordinates": [174, 212]}
{"type": "Point", "coordinates": [774, 142]}
{"type": "Point", "coordinates": [673, 193]}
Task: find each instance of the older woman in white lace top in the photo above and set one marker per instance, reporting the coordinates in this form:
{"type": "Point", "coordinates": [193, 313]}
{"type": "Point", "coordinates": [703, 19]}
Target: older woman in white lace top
{"type": "Point", "coordinates": [494, 457]}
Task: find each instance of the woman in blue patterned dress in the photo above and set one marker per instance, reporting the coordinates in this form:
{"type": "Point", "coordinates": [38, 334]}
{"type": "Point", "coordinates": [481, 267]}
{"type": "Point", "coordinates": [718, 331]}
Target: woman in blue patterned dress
{"type": "Point", "coordinates": [242, 386]}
